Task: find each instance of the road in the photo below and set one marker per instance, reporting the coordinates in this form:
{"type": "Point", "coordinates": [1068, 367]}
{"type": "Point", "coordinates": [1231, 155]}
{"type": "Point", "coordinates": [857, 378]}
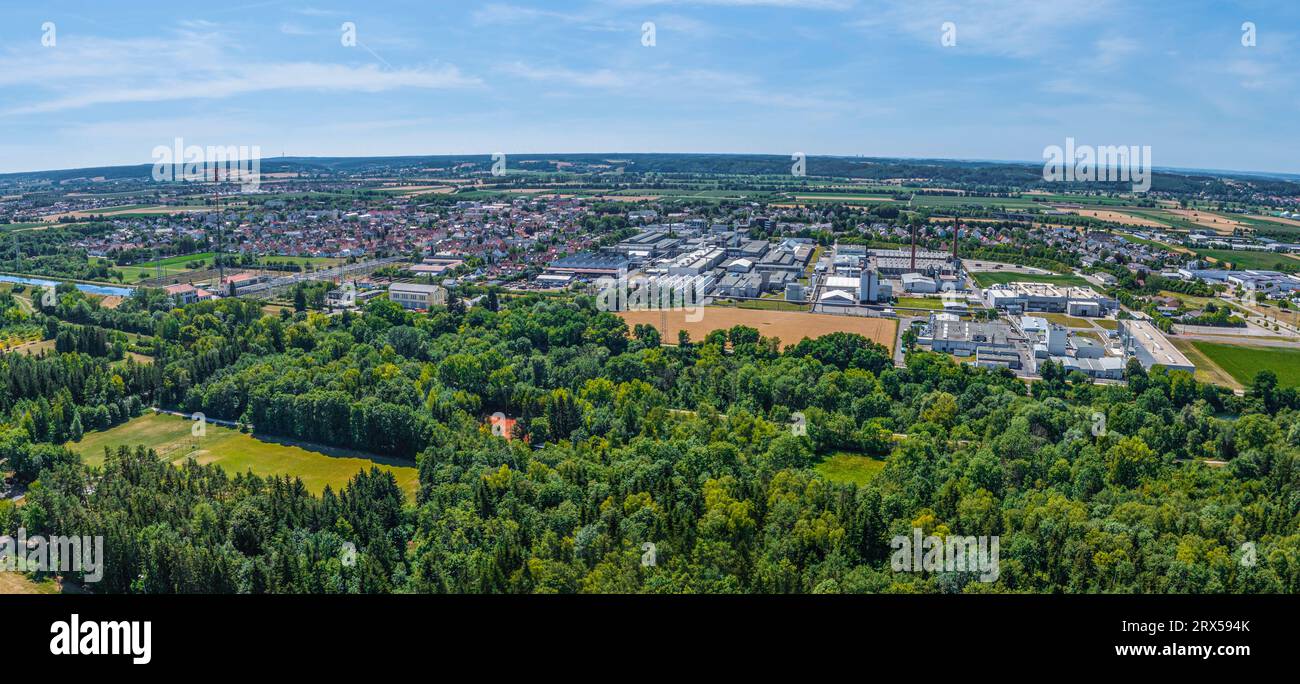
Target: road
{"type": "Point", "coordinates": [190, 416]}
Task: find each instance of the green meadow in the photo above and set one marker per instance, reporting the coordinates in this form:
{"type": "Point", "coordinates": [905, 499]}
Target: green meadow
{"type": "Point", "coordinates": [237, 452]}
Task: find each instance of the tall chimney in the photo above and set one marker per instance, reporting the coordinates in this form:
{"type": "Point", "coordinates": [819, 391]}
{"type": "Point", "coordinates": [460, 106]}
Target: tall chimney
{"type": "Point", "coordinates": [913, 269]}
{"type": "Point", "coordinates": [956, 232]}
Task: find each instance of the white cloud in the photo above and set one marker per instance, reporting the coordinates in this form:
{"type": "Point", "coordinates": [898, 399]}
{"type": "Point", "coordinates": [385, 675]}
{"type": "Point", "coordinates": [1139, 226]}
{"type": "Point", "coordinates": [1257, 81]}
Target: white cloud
{"type": "Point", "coordinates": [794, 4]}
{"type": "Point", "coordinates": [666, 83]}
{"type": "Point", "coordinates": [92, 71]}
{"type": "Point", "coordinates": [1009, 28]}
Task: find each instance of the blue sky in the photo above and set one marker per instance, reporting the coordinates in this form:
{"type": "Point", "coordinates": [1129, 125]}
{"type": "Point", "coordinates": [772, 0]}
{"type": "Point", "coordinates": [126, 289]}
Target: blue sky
{"type": "Point", "coordinates": [848, 77]}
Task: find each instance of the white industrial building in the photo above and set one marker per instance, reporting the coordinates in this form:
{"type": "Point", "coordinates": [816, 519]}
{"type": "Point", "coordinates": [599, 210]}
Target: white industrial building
{"type": "Point", "coordinates": [915, 282]}
{"type": "Point", "coordinates": [1020, 296]}
{"type": "Point", "coordinates": [942, 334]}
{"type": "Point", "coordinates": [416, 296]}
{"type": "Point", "coordinates": [1150, 347]}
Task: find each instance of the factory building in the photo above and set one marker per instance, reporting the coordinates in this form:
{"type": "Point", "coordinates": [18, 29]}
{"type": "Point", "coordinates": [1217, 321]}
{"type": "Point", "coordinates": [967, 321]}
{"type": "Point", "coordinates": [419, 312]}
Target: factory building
{"type": "Point", "coordinates": [590, 265]}
{"type": "Point", "coordinates": [915, 282]}
{"type": "Point", "coordinates": [1021, 296]}
{"type": "Point", "coordinates": [896, 262]}
{"type": "Point", "coordinates": [1150, 347]}
{"type": "Point", "coordinates": [697, 262]}
{"type": "Point", "coordinates": [963, 337]}
{"type": "Point", "coordinates": [416, 297]}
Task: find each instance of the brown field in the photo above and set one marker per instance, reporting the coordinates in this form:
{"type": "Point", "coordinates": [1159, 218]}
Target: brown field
{"type": "Point", "coordinates": [420, 189]}
{"type": "Point", "coordinates": [864, 198]}
{"type": "Point", "coordinates": [965, 219]}
{"type": "Point", "coordinates": [627, 198]}
{"type": "Point", "coordinates": [789, 327]}
{"type": "Point", "coordinates": [1216, 222]}
{"type": "Point", "coordinates": [17, 583]}
{"type": "Point", "coordinates": [111, 211]}
{"type": "Point", "coordinates": [1276, 219]}
{"type": "Point", "coordinates": [1115, 217]}
{"type": "Point", "coordinates": [32, 348]}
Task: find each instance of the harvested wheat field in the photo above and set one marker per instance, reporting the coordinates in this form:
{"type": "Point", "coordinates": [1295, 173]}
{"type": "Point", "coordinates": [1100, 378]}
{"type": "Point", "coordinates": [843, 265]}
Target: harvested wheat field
{"type": "Point", "coordinates": [1116, 217]}
{"type": "Point", "coordinates": [788, 326]}
{"type": "Point", "coordinates": [1216, 222]}
{"type": "Point", "coordinates": [1275, 219]}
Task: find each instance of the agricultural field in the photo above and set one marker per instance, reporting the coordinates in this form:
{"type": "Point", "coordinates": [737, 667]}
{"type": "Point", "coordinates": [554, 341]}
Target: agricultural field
{"type": "Point", "coordinates": [1206, 369]}
{"type": "Point", "coordinates": [316, 262]}
{"type": "Point", "coordinates": [788, 326]}
{"type": "Point", "coordinates": [850, 468]}
{"type": "Point", "coordinates": [1219, 223]}
{"type": "Point", "coordinates": [1119, 217]}
{"type": "Point", "coordinates": [1264, 261]}
{"type": "Point", "coordinates": [1242, 362]}
{"type": "Point", "coordinates": [843, 198]}
{"type": "Point", "coordinates": [771, 304]}
{"type": "Point", "coordinates": [990, 278]}
{"type": "Point", "coordinates": [237, 452]}
{"type": "Point", "coordinates": [943, 201]}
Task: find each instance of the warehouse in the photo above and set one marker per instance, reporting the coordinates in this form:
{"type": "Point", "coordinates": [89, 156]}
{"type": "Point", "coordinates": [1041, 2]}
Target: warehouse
{"type": "Point", "coordinates": [1022, 296]}
{"type": "Point", "coordinates": [1150, 347]}
{"type": "Point", "coordinates": [963, 337]}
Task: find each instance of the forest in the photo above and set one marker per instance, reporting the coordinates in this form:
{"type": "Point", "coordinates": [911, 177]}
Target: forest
{"type": "Point", "coordinates": [621, 440]}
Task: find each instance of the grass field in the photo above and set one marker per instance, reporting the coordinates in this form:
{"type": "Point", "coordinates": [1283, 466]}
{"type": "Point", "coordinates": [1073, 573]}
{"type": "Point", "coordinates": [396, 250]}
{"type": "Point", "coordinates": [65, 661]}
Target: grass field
{"type": "Point", "coordinates": [850, 468]}
{"type": "Point", "coordinates": [920, 303]}
{"type": "Point", "coordinates": [18, 583]}
{"type": "Point", "coordinates": [1062, 319]}
{"type": "Point", "coordinates": [1190, 301]}
{"type": "Point", "coordinates": [989, 278]}
{"type": "Point", "coordinates": [1242, 362]}
{"type": "Point", "coordinates": [237, 452]}
{"type": "Point", "coordinates": [170, 266]}
{"type": "Point", "coordinates": [788, 326]}
{"type": "Point", "coordinates": [1263, 261]}
{"type": "Point", "coordinates": [1206, 370]}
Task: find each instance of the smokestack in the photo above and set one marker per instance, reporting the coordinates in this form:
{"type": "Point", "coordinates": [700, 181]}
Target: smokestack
{"type": "Point", "coordinates": [913, 269]}
{"type": "Point", "coordinates": [956, 232]}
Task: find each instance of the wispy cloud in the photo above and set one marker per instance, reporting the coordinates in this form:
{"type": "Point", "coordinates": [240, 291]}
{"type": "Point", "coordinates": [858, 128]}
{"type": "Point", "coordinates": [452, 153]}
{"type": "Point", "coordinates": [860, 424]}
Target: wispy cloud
{"type": "Point", "coordinates": [795, 4]}
{"type": "Point", "coordinates": [188, 65]}
{"type": "Point", "coordinates": [668, 83]}
{"type": "Point", "coordinates": [1009, 28]}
